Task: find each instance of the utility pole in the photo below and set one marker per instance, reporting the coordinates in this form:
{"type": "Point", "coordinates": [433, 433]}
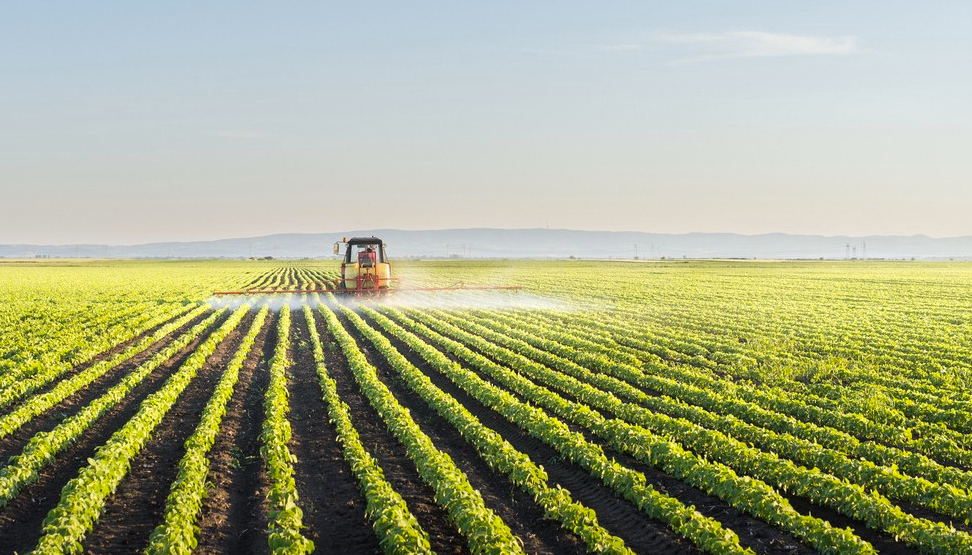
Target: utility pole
{"type": "Point", "coordinates": [864, 256]}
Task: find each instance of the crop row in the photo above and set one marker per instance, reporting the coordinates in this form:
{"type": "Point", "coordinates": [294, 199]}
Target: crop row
{"type": "Point", "coordinates": [823, 489]}
{"type": "Point", "coordinates": [37, 404]}
{"type": "Point", "coordinates": [399, 533]}
{"type": "Point", "coordinates": [719, 396]}
{"type": "Point", "coordinates": [177, 533]}
{"type": "Point", "coordinates": [572, 446]}
{"type": "Point", "coordinates": [83, 498]}
{"type": "Point", "coordinates": [484, 531]}
{"type": "Point", "coordinates": [32, 378]}
{"type": "Point", "coordinates": [498, 453]}
{"type": "Point", "coordinates": [44, 447]}
{"type": "Point", "coordinates": [619, 379]}
{"type": "Point", "coordinates": [286, 517]}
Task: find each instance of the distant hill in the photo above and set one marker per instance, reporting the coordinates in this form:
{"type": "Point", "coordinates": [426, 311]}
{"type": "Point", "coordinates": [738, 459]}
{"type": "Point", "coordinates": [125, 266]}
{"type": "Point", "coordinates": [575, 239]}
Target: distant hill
{"type": "Point", "coordinates": [532, 243]}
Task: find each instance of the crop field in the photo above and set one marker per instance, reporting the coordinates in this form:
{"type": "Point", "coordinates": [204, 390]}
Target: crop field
{"type": "Point", "coordinates": [662, 407]}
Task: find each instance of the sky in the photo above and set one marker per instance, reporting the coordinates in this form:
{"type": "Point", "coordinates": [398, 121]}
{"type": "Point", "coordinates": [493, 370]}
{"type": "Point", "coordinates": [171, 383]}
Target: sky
{"type": "Point", "coordinates": [131, 122]}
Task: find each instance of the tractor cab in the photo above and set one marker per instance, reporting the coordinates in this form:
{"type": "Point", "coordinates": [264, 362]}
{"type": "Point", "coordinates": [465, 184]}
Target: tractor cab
{"type": "Point", "coordinates": [365, 266]}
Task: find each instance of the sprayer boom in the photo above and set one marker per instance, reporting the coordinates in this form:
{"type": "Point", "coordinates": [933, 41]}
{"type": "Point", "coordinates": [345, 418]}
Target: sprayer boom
{"type": "Point", "coordinates": [381, 291]}
{"type": "Point", "coordinates": [365, 270]}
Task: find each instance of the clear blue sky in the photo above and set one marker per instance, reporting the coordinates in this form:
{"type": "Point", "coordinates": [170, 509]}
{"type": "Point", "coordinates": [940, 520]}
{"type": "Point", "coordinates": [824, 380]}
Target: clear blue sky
{"type": "Point", "coordinates": [125, 122]}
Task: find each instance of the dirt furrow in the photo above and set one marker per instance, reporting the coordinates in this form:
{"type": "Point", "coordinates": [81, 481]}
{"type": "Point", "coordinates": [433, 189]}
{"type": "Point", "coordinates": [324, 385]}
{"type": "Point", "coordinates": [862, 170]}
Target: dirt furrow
{"type": "Point", "coordinates": [757, 534]}
{"type": "Point", "coordinates": [517, 509]}
{"type": "Point", "coordinates": [233, 518]}
{"type": "Point", "coordinates": [641, 533]}
{"type": "Point", "coordinates": [135, 509]}
{"type": "Point", "coordinates": [329, 495]}
{"type": "Point", "coordinates": [50, 418]}
{"type": "Point", "coordinates": [21, 520]}
{"type": "Point", "coordinates": [100, 357]}
{"type": "Point", "coordinates": [399, 470]}
{"type": "Point", "coordinates": [754, 533]}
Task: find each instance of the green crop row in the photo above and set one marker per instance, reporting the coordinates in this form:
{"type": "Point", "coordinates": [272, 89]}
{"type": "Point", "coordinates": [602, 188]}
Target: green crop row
{"type": "Point", "coordinates": [83, 498]}
{"type": "Point", "coordinates": [485, 532]}
{"type": "Point", "coordinates": [24, 383]}
{"type": "Point", "coordinates": [850, 499]}
{"type": "Point", "coordinates": [399, 533]}
{"type": "Point", "coordinates": [37, 404]}
{"type": "Point", "coordinates": [177, 533]}
{"type": "Point", "coordinates": [945, 499]}
{"type": "Point", "coordinates": [719, 397]}
{"type": "Point", "coordinates": [286, 517]}
{"type": "Point", "coordinates": [43, 447]}
{"type": "Point", "coordinates": [496, 451]}
{"type": "Point", "coordinates": [631, 485]}
{"type": "Point", "coordinates": [751, 496]}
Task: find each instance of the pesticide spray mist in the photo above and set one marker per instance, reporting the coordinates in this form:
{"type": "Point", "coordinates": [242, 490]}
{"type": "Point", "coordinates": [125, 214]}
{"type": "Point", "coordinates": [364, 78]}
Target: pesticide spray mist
{"type": "Point", "coordinates": [440, 300]}
{"type": "Point", "coordinates": [275, 302]}
{"type": "Point", "coordinates": [457, 300]}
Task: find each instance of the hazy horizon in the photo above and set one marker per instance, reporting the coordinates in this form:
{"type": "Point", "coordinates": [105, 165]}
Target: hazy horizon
{"type": "Point", "coordinates": [127, 124]}
{"type": "Point", "coordinates": [344, 233]}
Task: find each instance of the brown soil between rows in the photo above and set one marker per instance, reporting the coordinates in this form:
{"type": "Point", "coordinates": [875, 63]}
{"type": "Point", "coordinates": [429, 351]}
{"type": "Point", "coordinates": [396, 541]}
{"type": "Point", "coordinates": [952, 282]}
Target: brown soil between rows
{"type": "Point", "coordinates": [517, 508]}
{"type": "Point", "coordinates": [391, 456]}
{"type": "Point", "coordinates": [49, 419]}
{"type": "Point", "coordinates": [21, 521]}
{"type": "Point", "coordinates": [945, 461]}
{"type": "Point", "coordinates": [100, 357]}
{"type": "Point", "coordinates": [640, 532]}
{"type": "Point", "coordinates": [755, 533]}
{"type": "Point", "coordinates": [136, 507]}
{"type": "Point", "coordinates": [233, 518]}
{"type": "Point", "coordinates": [333, 506]}
{"type": "Point", "coordinates": [884, 542]}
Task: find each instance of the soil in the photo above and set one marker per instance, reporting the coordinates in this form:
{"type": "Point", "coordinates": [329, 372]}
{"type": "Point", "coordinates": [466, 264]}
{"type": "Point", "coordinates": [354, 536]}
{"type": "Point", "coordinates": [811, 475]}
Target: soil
{"type": "Point", "coordinates": [137, 506]}
{"type": "Point", "coordinates": [516, 507]}
{"type": "Point", "coordinates": [334, 509]}
{"type": "Point", "coordinates": [21, 521]}
{"type": "Point", "coordinates": [640, 533]}
{"type": "Point", "coordinates": [399, 470]}
{"type": "Point", "coordinates": [46, 421]}
{"type": "Point", "coordinates": [233, 516]}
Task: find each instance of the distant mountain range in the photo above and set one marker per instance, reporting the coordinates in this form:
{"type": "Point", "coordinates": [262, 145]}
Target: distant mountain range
{"type": "Point", "coordinates": [532, 243]}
